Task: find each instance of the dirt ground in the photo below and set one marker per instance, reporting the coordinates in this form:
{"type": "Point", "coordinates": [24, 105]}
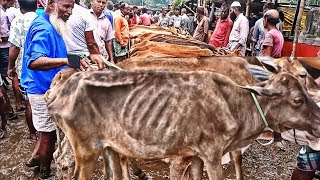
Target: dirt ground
{"type": "Point", "coordinates": [259, 162]}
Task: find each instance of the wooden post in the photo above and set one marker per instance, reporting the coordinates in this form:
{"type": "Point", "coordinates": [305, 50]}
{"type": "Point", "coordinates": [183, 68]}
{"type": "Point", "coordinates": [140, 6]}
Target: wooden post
{"type": "Point", "coordinates": [248, 8]}
{"type": "Point", "coordinates": [297, 28]}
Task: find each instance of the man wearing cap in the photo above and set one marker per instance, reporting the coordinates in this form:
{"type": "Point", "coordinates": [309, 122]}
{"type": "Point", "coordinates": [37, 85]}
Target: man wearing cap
{"type": "Point", "coordinates": [240, 30]}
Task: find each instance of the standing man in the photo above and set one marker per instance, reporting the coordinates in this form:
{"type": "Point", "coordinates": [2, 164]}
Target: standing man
{"type": "Point", "coordinates": [103, 31]}
{"type": "Point", "coordinates": [175, 19]}
{"type": "Point", "coordinates": [186, 22]}
{"type": "Point", "coordinates": [121, 28]}
{"type": "Point", "coordinates": [220, 35]}
{"type": "Point", "coordinates": [201, 32]}
{"type": "Point", "coordinates": [273, 40]}
{"type": "Point", "coordinates": [81, 37]}
{"type": "Point", "coordinates": [19, 28]}
{"type": "Point", "coordinates": [164, 20]}
{"type": "Point", "coordinates": [240, 30]}
{"type": "Point", "coordinates": [44, 55]}
{"type": "Point", "coordinates": [259, 31]}
{"type": "Point", "coordinates": [145, 18]}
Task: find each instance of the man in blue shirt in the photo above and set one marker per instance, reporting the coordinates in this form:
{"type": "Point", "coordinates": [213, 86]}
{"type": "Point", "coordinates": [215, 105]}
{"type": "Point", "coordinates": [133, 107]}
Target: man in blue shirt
{"type": "Point", "coordinates": [44, 55]}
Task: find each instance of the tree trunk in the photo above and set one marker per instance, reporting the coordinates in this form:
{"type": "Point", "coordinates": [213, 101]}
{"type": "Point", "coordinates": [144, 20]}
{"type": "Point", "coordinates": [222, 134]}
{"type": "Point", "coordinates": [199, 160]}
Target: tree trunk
{"type": "Point", "coordinates": [248, 8]}
{"type": "Point", "coordinates": [297, 29]}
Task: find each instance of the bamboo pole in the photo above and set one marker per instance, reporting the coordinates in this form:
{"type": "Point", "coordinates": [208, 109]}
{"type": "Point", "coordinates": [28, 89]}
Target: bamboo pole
{"type": "Point", "coordinates": [248, 8]}
{"type": "Point", "coordinates": [297, 29]}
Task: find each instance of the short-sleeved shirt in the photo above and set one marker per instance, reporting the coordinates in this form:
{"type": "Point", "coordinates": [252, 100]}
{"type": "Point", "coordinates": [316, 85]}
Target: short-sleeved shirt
{"type": "Point", "coordinates": [274, 38]}
{"type": "Point", "coordinates": [220, 35]}
{"type": "Point", "coordinates": [259, 32]}
{"type": "Point", "coordinates": [103, 30]}
{"type": "Point", "coordinates": [145, 19]}
{"type": "Point", "coordinates": [4, 27]}
{"type": "Point", "coordinates": [175, 21]}
{"type": "Point", "coordinates": [19, 28]}
{"type": "Point", "coordinates": [79, 22]}
{"type": "Point", "coordinates": [187, 23]}
{"type": "Point", "coordinates": [202, 29]}
{"type": "Point", "coordinates": [42, 40]}
{"type": "Point", "coordinates": [164, 21]}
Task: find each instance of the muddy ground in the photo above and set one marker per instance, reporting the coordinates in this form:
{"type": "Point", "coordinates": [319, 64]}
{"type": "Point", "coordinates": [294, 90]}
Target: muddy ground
{"type": "Point", "coordinates": [259, 162]}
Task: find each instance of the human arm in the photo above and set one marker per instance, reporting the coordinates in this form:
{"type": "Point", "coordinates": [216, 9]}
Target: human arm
{"type": "Point", "coordinates": [244, 31]}
{"type": "Point", "coordinates": [206, 29]}
{"type": "Point", "coordinates": [13, 55]}
{"type": "Point", "coordinates": [254, 38]}
{"type": "Point", "coordinates": [117, 27]}
{"type": "Point", "coordinates": [45, 63]}
{"type": "Point", "coordinates": [108, 45]}
{"type": "Point", "coordinates": [267, 45]}
{"type": "Point", "coordinates": [4, 30]}
{"type": "Point", "coordinates": [94, 49]}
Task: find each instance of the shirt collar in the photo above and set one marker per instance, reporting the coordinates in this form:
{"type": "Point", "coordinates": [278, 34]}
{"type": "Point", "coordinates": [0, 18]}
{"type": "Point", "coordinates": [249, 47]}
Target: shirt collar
{"type": "Point", "coordinates": [241, 14]}
{"type": "Point", "coordinates": [102, 15]}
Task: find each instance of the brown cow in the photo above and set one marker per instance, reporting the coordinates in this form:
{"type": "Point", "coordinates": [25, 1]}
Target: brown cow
{"type": "Point", "coordinates": [144, 106]}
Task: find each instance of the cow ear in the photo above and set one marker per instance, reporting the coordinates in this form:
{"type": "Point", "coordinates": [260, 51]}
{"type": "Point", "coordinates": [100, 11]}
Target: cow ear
{"type": "Point", "coordinates": [269, 64]}
{"type": "Point", "coordinates": [262, 91]}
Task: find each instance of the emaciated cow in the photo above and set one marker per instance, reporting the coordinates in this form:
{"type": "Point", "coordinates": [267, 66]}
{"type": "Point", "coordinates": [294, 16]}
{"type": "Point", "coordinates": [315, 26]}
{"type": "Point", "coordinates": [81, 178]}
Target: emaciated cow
{"type": "Point", "coordinates": [163, 114]}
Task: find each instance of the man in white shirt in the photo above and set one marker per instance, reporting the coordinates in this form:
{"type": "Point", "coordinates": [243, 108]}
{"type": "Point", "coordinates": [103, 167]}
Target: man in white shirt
{"type": "Point", "coordinates": [103, 32]}
{"type": "Point", "coordinates": [240, 30]}
{"type": "Point", "coordinates": [81, 37]}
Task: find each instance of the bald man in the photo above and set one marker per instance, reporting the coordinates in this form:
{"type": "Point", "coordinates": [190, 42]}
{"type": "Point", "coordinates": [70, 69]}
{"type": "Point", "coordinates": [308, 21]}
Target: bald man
{"type": "Point", "coordinates": [273, 40]}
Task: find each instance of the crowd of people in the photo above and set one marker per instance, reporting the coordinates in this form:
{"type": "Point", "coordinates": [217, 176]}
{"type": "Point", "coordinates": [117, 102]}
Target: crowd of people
{"type": "Point", "coordinates": [37, 38]}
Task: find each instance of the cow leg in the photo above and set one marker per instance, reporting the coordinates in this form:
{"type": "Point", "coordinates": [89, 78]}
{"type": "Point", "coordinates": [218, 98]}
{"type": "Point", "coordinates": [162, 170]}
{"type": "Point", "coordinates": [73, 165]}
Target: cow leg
{"type": "Point", "coordinates": [112, 168]}
{"type": "Point", "coordinates": [236, 158]}
{"type": "Point", "coordinates": [85, 159]}
{"type": "Point", "coordinates": [196, 168]}
{"type": "Point", "coordinates": [136, 170]}
{"type": "Point", "coordinates": [124, 168]}
{"type": "Point", "coordinates": [214, 169]}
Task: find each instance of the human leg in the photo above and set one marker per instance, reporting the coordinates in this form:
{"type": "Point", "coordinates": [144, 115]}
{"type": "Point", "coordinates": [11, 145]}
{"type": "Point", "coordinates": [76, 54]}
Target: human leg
{"type": "Point", "coordinates": [308, 161]}
{"type": "Point", "coordinates": [15, 86]}
{"type": "Point", "coordinates": [44, 124]}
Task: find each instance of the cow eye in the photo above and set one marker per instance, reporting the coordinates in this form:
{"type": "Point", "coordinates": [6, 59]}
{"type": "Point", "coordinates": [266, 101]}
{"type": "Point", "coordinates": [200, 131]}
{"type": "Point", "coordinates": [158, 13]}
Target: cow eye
{"type": "Point", "coordinates": [303, 76]}
{"type": "Point", "coordinates": [298, 101]}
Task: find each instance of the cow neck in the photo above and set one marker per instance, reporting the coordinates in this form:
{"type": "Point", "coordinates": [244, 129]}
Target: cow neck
{"type": "Point", "coordinates": [256, 102]}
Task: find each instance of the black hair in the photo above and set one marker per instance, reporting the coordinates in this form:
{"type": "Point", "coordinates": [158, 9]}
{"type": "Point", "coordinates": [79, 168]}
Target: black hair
{"type": "Point", "coordinates": [271, 20]}
{"type": "Point", "coordinates": [225, 5]}
{"type": "Point", "coordinates": [200, 10]}
{"type": "Point", "coordinates": [269, 6]}
{"type": "Point", "coordinates": [28, 5]}
{"type": "Point", "coordinates": [144, 10]}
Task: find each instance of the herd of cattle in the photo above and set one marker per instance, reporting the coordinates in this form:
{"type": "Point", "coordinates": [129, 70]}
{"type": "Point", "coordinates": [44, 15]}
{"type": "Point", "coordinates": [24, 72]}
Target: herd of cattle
{"type": "Point", "coordinates": [180, 99]}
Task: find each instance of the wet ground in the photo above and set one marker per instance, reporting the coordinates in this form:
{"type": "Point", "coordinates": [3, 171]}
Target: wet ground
{"type": "Point", "coordinates": [259, 162]}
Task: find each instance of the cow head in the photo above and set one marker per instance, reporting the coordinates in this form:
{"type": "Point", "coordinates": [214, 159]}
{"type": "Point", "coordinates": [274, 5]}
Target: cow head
{"type": "Point", "coordinates": [295, 68]}
{"type": "Point", "coordinates": [287, 104]}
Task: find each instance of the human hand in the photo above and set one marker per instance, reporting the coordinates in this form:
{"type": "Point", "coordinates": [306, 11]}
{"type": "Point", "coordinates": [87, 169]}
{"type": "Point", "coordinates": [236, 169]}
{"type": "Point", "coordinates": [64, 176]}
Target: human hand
{"type": "Point", "coordinates": [84, 64]}
{"type": "Point", "coordinates": [98, 60]}
{"type": "Point", "coordinates": [11, 72]}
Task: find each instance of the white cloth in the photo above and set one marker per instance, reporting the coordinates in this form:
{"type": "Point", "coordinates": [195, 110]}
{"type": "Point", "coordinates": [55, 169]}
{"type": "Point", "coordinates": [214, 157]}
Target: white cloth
{"type": "Point", "coordinates": [103, 31]}
{"type": "Point", "coordinates": [18, 31]}
{"type": "Point", "coordinates": [41, 118]}
{"type": "Point", "coordinates": [239, 33]}
{"type": "Point", "coordinates": [79, 22]}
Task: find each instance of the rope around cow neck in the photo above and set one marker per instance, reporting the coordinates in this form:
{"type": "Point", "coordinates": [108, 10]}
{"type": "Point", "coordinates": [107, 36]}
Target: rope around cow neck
{"type": "Point", "coordinates": [259, 109]}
